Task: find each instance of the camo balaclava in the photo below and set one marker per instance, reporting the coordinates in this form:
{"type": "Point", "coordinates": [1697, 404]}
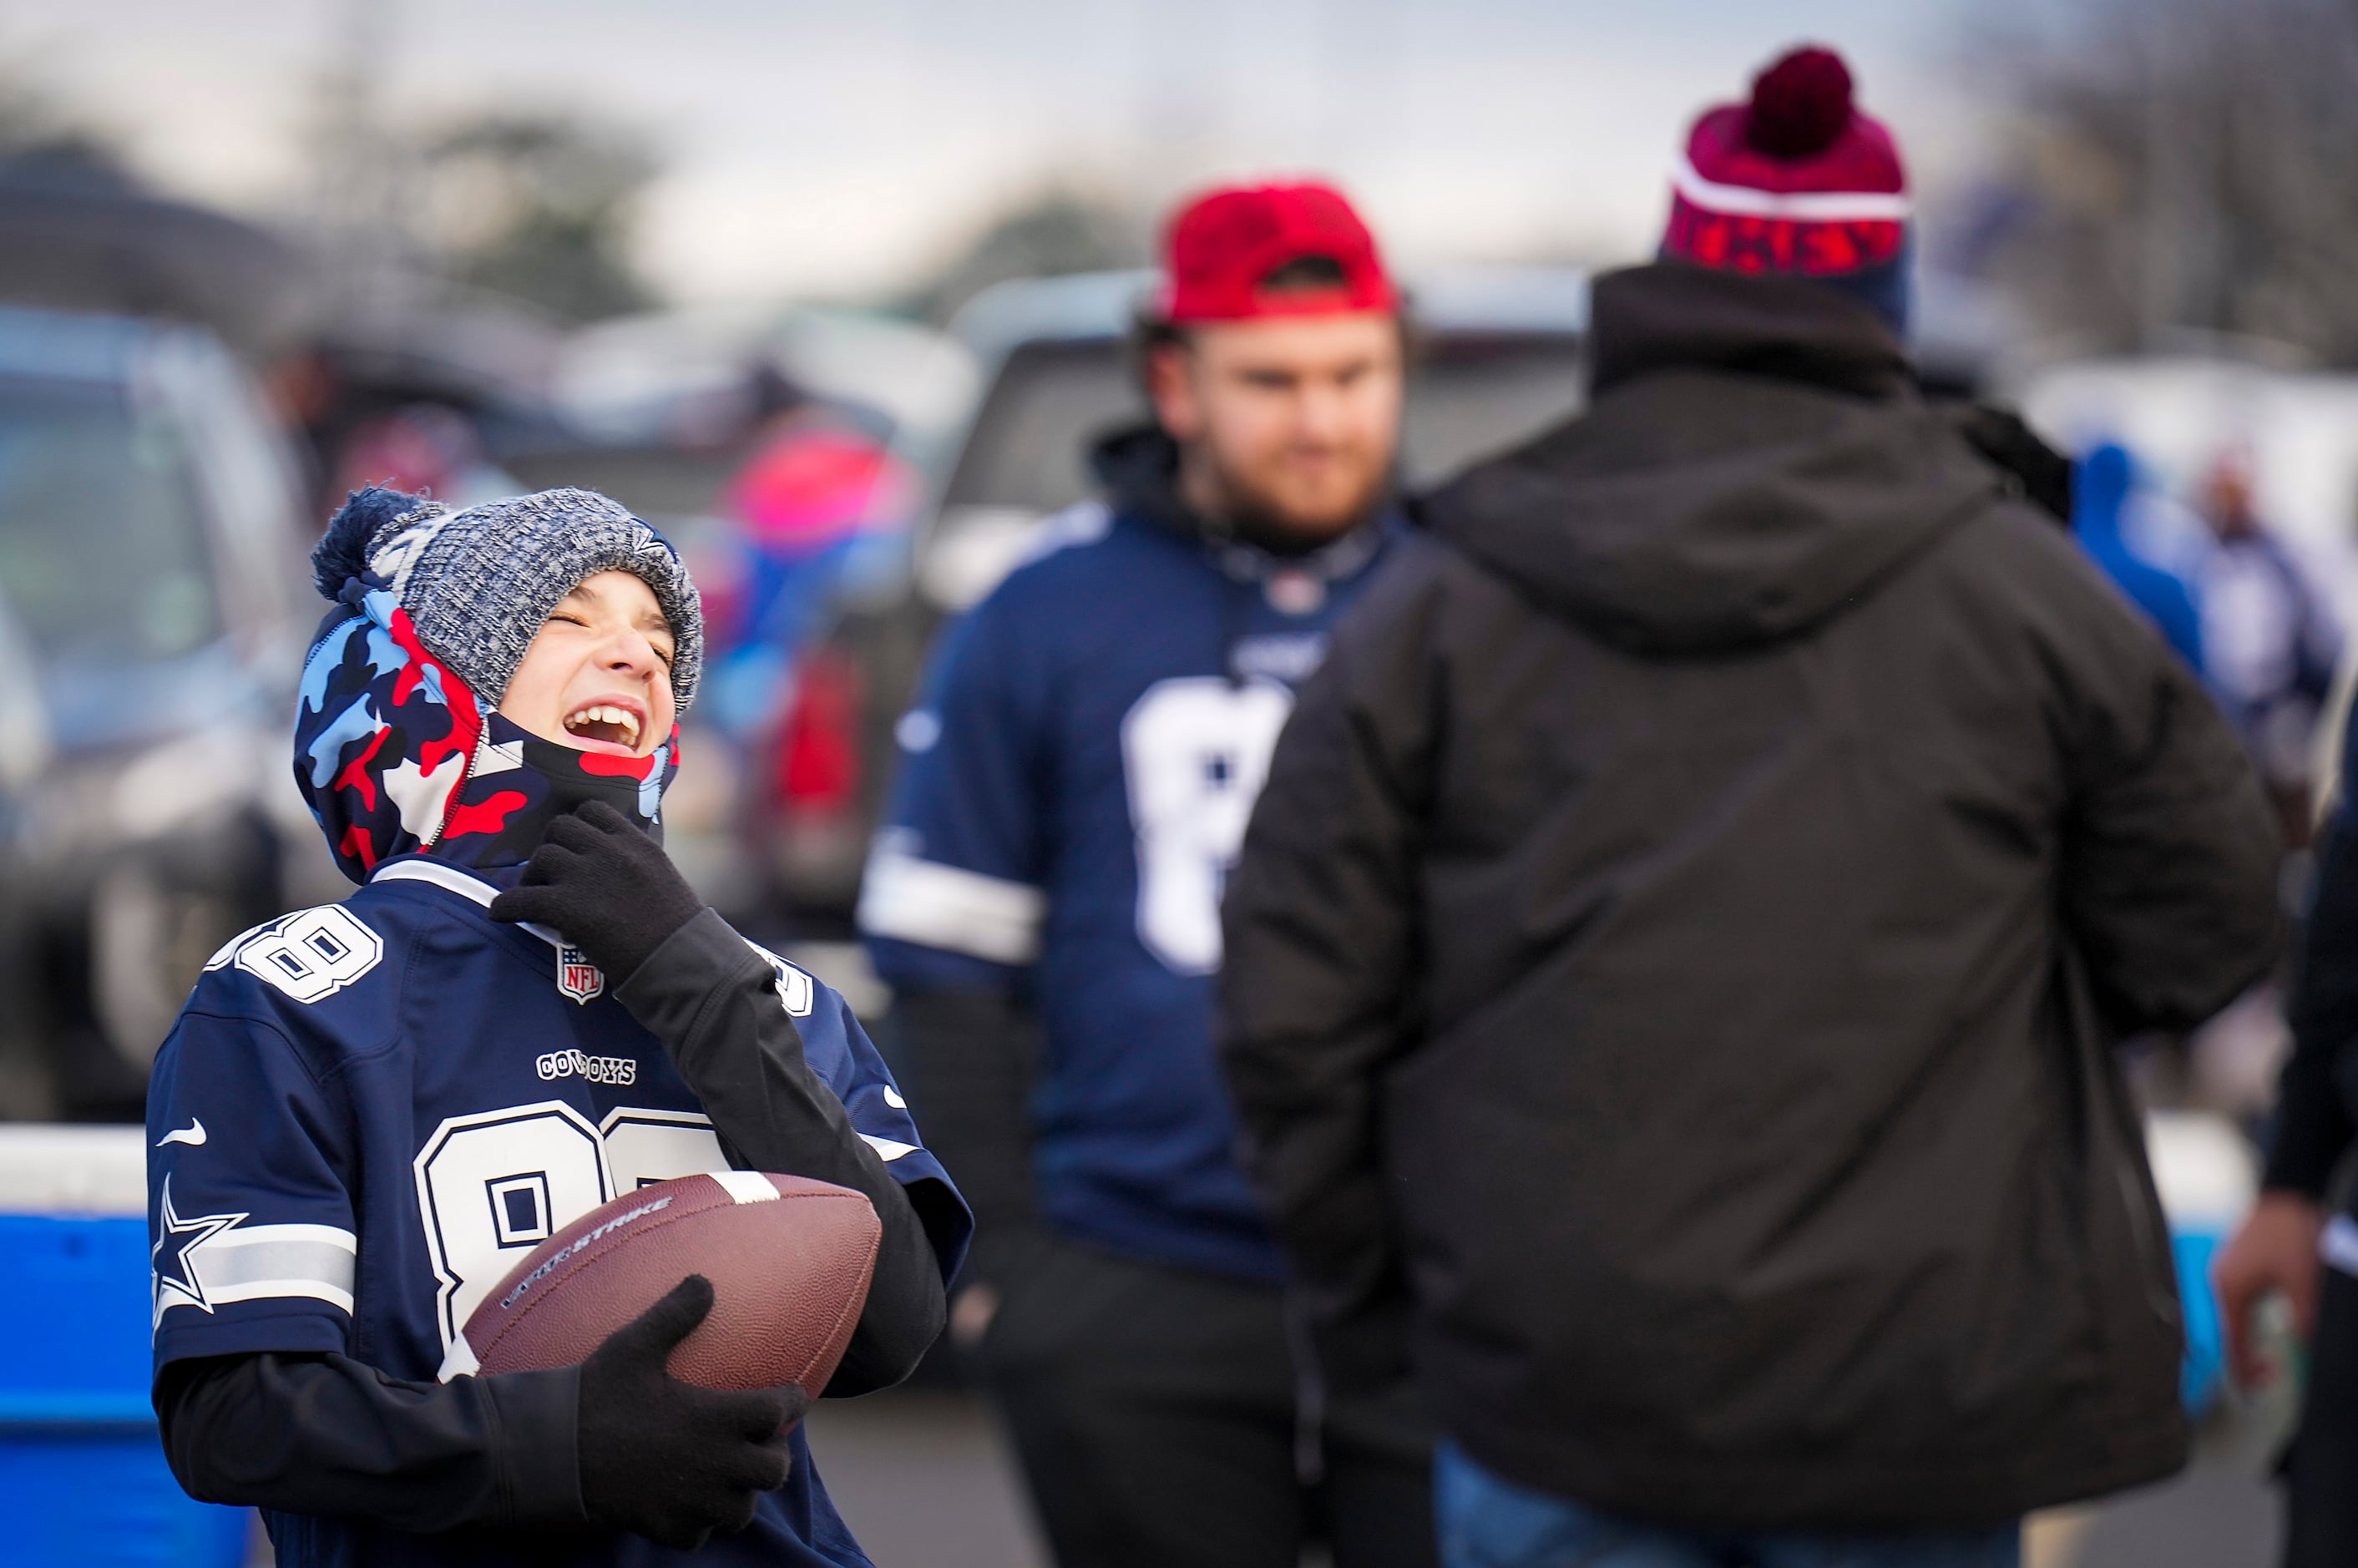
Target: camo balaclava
{"type": "Point", "coordinates": [397, 745]}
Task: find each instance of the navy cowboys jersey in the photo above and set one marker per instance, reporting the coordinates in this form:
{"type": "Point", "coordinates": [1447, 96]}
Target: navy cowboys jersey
{"type": "Point", "coordinates": [369, 1111]}
{"type": "Point", "coordinates": [1075, 785]}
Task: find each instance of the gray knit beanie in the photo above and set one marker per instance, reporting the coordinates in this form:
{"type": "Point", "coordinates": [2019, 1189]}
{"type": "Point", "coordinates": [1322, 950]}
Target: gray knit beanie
{"type": "Point", "coordinates": [479, 583]}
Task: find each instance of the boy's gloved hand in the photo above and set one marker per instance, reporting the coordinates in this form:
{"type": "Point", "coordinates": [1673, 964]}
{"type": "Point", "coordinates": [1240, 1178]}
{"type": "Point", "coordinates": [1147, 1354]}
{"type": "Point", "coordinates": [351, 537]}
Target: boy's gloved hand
{"type": "Point", "coordinates": [609, 887]}
{"type": "Point", "coordinates": [668, 1460]}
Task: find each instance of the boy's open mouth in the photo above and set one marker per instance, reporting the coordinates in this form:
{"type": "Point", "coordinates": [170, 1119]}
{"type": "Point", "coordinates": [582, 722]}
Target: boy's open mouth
{"type": "Point", "coordinates": [604, 727]}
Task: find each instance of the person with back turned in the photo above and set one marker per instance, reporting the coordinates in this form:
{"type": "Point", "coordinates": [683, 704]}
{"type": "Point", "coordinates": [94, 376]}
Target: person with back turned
{"type": "Point", "coordinates": [1675, 957]}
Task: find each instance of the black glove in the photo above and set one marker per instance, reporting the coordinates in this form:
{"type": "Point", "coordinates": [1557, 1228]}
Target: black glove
{"type": "Point", "coordinates": [669, 1460]}
{"type": "Point", "coordinates": [602, 881]}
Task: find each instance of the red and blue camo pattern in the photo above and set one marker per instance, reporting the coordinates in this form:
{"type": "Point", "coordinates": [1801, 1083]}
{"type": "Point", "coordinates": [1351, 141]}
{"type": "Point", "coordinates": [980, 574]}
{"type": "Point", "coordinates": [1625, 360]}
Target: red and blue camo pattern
{"type": "Point", "coordinates": [394, 753]}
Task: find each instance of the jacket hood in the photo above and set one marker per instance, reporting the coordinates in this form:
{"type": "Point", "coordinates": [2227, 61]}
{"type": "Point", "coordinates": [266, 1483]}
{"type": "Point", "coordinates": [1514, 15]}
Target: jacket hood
{"type": "Point", "coordinates": [395, 754]}
{"type": "Point", "coordinates": [2107, 475]}
{"type": "Point", "coordinates": [1755, 460]}
{"type": "Point", "coordinates": [1137, 467]}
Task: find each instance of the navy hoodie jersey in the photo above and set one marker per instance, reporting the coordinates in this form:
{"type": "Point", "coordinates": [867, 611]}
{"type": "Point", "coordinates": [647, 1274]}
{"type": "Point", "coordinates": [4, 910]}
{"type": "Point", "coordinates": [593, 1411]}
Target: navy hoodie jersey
{"type": "Point", "coordinates": [1074, 787]}
{"type": "Point", "coordinates": [370, 1111]}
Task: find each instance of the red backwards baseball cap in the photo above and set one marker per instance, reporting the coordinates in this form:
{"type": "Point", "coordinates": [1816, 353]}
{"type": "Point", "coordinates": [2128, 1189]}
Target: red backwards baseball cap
{"type": "Point", "coordinates": [1221, 248]}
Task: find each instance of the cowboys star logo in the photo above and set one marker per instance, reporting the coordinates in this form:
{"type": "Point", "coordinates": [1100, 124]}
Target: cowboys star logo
{"type": "Point", "coordinates": [177, 1282]}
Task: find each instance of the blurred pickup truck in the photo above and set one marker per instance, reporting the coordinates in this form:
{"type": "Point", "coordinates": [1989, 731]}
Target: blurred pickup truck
{"type": "Point", "coordinates": [152, 561]}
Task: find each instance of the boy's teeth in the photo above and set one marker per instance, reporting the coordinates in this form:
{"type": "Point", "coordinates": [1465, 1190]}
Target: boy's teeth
{"type": "Point", "coordinates": [601, 713]}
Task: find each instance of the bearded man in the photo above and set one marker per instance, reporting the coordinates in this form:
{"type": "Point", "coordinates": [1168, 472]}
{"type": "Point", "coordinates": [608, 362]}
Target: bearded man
{"type": "Point", "coordinates": [1074, 785]}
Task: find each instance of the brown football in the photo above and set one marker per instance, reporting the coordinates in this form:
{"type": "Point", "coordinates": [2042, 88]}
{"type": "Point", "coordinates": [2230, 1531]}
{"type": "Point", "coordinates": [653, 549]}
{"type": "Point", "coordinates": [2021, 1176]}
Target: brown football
{"type": "Point", "coordinates": [789, 1260]}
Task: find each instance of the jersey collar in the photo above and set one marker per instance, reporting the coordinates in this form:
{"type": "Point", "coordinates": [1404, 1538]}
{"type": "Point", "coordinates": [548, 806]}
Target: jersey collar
{"type": "Point", "coordinates": [1338, 558]}
{"type": "Point", "coordinates": [450, 879]}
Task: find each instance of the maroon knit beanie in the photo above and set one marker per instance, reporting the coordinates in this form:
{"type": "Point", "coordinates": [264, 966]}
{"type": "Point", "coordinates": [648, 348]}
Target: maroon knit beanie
{"type": "Point", "coordinates": [1797, 181]}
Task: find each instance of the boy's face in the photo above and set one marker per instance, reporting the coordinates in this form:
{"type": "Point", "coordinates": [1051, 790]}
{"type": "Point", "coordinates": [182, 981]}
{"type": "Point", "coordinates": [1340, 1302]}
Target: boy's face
{"type": "Point", "coordinates": [598, 675]}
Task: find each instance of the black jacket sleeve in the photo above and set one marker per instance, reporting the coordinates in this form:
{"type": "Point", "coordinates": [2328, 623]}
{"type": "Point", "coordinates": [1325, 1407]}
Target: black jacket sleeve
{"type": "Point", "coordinates": [713, 1001]}
{"type": "Point", "coordinates": [967, 1060]}
{"type": "Point", "coordinates": [327, 1437]}
{"type": "Point", "coordinates": [2170, 847]}
{"type": "Point", "coordinates": [1319, 985]}
{"type": "Point", "coordinates": [2314, 1128]}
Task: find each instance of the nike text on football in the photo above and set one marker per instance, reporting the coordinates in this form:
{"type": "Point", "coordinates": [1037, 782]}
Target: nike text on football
{"type": "Point", "coordinates": [575, 1245]}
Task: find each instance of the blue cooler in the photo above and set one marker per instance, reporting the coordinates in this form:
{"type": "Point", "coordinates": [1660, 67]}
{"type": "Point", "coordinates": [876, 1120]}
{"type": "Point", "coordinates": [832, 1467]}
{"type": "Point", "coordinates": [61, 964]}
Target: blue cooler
{"type": "Point", "coordinates": [2207, 1177]}
{"type": "Point", "coordinates": [83, 1478]}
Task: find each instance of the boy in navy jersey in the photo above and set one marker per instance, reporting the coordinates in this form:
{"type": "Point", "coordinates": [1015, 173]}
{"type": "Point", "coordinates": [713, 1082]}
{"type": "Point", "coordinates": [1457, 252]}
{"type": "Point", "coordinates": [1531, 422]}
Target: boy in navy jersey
{"type": "Point", "coordinates": [1076, 780]}
{"type": "Point", "coordinates": [369, 1111]}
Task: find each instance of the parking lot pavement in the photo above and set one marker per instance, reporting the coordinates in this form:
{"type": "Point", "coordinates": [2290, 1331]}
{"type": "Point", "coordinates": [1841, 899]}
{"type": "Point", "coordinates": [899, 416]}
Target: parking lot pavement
{"type": "Point", "coordinates": [923, 1481]}
{"type": "Point", "coordinates": [2215, 1516]}
{"type": "Point", "coordinates": [2222, 1512]}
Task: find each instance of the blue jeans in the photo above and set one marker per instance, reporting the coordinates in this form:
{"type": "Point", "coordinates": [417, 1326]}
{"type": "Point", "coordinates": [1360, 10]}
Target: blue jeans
{"type": "Point", "coordinates": [1489, 1522]}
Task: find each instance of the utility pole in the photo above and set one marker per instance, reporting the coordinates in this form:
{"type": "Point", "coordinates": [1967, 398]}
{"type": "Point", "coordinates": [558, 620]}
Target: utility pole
{"type": "Point", "coordinates": [357, 197]}
{"type": "Point", "coordinates": [2167, 231]}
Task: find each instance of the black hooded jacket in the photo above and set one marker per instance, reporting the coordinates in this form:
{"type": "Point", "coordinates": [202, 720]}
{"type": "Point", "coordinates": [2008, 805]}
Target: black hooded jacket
{"type": "Point", "coordinates": [1680, 941]}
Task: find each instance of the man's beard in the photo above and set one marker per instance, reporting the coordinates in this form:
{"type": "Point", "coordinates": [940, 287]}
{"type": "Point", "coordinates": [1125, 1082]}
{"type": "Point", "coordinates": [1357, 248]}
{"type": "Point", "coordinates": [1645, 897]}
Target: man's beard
{"type": "Point", "coordinates": [1253, 516]}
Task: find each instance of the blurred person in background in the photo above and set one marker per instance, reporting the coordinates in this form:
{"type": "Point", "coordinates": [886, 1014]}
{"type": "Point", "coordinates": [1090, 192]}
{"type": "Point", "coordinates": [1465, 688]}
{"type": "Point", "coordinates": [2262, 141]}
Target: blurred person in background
{"type": "Point", "coordinates": [2104, 492]}
{"type": "Point", "coordinates": [2270, 641]}
{"type": "Point", "coordinates": [428, 448]}
{"type": "Point", "coordinates": [1074, 785]}
{"type": "Point", "coordinates": [1676, 955]}
{"type": "Point", "coordinates": [2271, 644]}
{"type": "Point", "coordinates": [2289, 1245]}
{"type": "Point", "coordinates": [804, 505]}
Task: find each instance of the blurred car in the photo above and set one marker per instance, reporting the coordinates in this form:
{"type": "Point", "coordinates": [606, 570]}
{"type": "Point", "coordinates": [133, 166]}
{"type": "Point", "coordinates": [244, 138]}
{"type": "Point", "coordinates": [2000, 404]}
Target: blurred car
{"type": "Point", "coordinates": [24, 755]}
{"type": "Point", "coordinates": [83, 239]}
{"type": "Point", "coordinates": [692, 419]}
{"type": "Point", "coordinates": [1498, 358]}
{"type": "Point", "coordinates": [150, 549]}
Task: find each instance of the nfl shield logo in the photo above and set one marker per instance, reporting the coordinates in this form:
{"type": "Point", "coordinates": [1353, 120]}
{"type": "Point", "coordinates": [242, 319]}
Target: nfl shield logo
{"type": "Point", "coordinates": [577, 977]}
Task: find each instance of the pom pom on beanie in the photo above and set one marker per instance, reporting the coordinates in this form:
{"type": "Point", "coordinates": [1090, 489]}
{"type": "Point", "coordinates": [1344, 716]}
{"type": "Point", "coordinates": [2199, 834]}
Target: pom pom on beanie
{"type": "Point", "coordinates": [1800, 104]}
{"type": "Point", "coordinates": [367, 515]}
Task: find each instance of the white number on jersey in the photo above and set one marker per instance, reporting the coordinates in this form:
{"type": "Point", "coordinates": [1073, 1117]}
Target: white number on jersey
{"type": "Point", "coordinates": [643, 1147]}
{"type": "Point", "coordinates": [796, 991]}
{"type": "Point", "coordinates": [308, 955]}
{"type": "Point", "coordinates": [491, 1187]}
{"type": "Point", "coordinates": [1194, 752]}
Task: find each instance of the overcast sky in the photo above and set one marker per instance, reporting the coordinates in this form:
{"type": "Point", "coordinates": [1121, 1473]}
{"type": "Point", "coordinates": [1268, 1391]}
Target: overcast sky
{"type": "Point", "coordinates": [843, 148]}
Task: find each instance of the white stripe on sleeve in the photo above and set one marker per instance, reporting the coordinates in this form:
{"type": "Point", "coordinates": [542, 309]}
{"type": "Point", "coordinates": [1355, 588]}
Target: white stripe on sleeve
{"type": "Point", "coordinates": [2338, 1247]}
{"type": "Point", "coordinates": [934, 906]}
{"type": "Point", "coordinates": [259, 1262]}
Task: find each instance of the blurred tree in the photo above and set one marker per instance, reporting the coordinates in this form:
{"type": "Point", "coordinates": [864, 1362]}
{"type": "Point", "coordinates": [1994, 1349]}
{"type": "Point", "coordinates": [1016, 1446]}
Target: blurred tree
{"type": "Point", "coordinates": [2184, 165]}
{"type": "Point", "coordinates": [1054, 232]}
{"type": "Point", "coordinates": [538, 208]}
{"type": "Point", "coordinates": [42, 142]}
